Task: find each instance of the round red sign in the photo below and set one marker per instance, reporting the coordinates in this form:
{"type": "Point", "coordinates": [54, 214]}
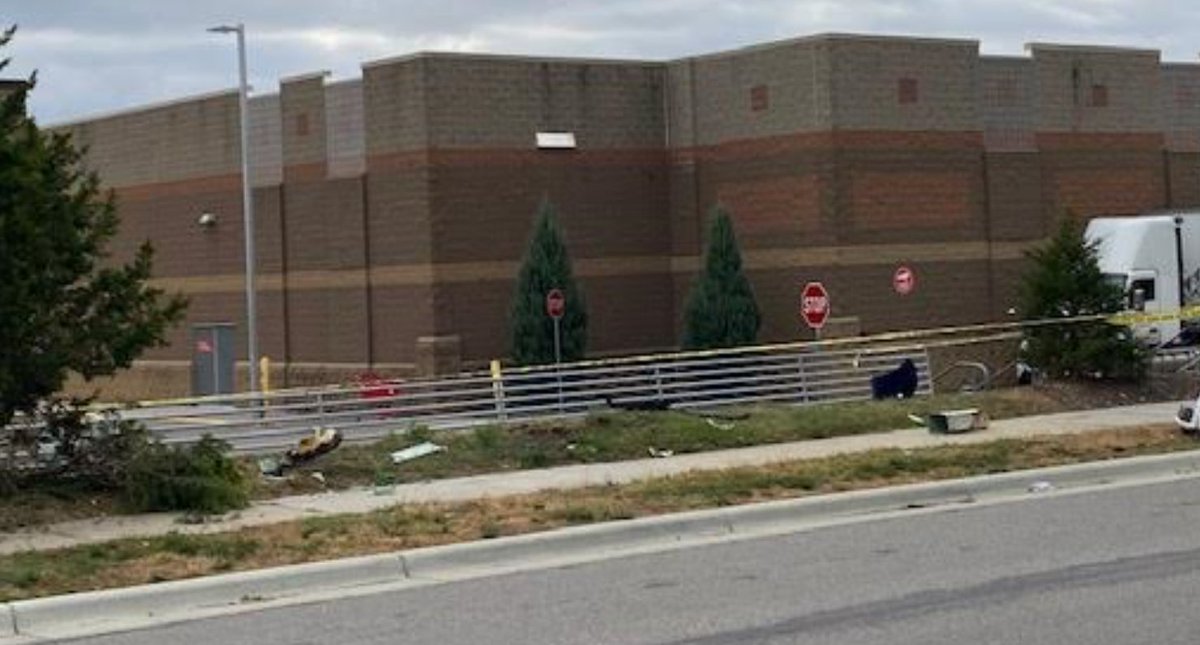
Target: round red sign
{"type": "Point", "coordinates": [814, 305]}
{"type": "Point", "coordinates": [904, 281]}
{"type": "Point", "coordinates": [556, 303]}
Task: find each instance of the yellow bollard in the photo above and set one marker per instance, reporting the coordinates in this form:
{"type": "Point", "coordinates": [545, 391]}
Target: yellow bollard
{"type": "Point", "coordinates": [264, 378]}
{"type": "Point", "coordinates": [498, 390]}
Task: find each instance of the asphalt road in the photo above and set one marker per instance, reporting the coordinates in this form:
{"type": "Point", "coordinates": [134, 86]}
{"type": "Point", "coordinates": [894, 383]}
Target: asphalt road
{"type": "Point", "coordinates": [1115, 567]}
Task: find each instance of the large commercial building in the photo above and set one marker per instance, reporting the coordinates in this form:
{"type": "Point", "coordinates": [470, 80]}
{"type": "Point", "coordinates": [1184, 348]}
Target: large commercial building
{"type": "Point", "coordinates": [393, 209]}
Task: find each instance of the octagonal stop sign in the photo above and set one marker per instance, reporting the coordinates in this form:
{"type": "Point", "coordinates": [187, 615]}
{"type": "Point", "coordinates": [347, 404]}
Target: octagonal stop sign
{"type": "Point", "coordinates": [556, 303]}
{"type": "Point", "coordinates": [814, 305]}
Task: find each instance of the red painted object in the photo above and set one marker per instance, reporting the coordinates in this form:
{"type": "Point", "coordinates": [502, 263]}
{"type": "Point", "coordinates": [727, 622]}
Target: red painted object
{"type": "Point", "coordinates": [814, 305]}
{"type": "Point", "coordinates": [373, 386]}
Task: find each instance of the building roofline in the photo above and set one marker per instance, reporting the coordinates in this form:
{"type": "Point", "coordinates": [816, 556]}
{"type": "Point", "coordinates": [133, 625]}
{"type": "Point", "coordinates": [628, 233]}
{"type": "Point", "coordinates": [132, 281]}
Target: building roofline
{"type": "Point", "coordinates": [146, 107]}
{"type": "Point", "coordinates": [525, 58]}
{"type": "Point", "coordinates": [305, 76]}
{"type": "Point", "coordinates": [826, 37]}
{"type": "Point", "coordinates": [1092, 49]}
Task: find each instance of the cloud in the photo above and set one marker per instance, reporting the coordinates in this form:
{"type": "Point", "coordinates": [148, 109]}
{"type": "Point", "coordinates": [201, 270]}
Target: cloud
{"type": "Point", "coordinates": [99, 55]}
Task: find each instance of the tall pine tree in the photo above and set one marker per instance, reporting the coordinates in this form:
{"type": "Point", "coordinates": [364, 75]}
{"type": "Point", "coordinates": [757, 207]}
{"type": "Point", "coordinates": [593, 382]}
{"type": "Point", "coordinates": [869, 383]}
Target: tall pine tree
{"type": "Point", "coordinates": [546, 266]}
{"type": "Point", "coordinates": [721, 311]}
{"type": "Point", "coordinates": [65, 304]}
{"type": "Point", "coordinates": [1064, 281]}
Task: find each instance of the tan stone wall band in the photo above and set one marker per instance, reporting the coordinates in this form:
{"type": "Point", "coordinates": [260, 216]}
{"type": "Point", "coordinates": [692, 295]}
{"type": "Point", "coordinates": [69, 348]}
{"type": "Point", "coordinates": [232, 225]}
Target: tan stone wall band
{"type": "Point", "coordinates": [762, 259]}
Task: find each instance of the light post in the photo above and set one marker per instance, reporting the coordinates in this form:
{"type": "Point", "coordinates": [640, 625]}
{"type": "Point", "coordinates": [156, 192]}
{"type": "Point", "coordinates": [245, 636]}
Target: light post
{"type": "Point", "coordinates": [247, 201]}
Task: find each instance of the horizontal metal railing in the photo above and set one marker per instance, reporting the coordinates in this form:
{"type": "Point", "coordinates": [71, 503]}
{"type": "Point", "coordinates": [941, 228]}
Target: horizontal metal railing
{"type": "Point", "coordinates": [796, 374]}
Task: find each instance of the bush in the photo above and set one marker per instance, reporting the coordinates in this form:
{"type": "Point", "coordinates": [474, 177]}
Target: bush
{"type": "Point", "coordinates": [1065, 281]}
{"type": "Point", "coordinates": [721, 310]}
{"type": "Point", "coordinates": [61, 443]}
{"type": "Point", "coordinates": [546, 266]}
{"type": "Point", "coordinates": [200, 478]}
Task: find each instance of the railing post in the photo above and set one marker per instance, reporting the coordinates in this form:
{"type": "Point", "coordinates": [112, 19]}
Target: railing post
{"type": "Point", "coordinates": [804, 396]}
{"type": "Point", "coordinates": [321, 407]}
{"type": "Point", "coordinates": [498, 390]}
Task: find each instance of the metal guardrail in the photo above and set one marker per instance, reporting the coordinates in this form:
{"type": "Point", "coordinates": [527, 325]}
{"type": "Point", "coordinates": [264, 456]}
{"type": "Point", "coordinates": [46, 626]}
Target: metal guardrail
{"type": "Point", "coordinates": [799, 374]}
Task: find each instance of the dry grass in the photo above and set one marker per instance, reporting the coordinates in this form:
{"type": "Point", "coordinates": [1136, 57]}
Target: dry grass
{"type": "Point", "coordinates": [131, 562]}
{"type": "Point", "coordinates": [602, 437]}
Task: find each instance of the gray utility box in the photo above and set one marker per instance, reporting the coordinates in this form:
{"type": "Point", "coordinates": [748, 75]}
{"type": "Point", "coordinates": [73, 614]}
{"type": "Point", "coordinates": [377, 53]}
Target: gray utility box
{"type": "Point", "coordinates": [212, 359]}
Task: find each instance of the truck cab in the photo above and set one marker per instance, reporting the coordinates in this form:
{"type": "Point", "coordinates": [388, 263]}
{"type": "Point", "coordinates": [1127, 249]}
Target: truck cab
{"type": "Point", "coordinates": [1154, 258]}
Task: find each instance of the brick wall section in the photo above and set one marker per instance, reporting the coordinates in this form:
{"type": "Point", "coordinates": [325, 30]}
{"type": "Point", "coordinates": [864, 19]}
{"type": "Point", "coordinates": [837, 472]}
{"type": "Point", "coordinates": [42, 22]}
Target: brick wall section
{"type": "Point", "coordinates": [1102, 174]}
{"type": "Point", "coordinates": [1014, 189]}
{"type": "Point", "coordinates": [1184, 179]}
{"type": "Point", "coordinates": [1007, 99]}
{"type": "Point", "coordinates": [866, 73]}
{"type": "Point", "coordinates": [791, 79]}
{"type": "Point", "coordinates": [1066, 77]}
{"type": "Point", "coordinates": [909, 188]}
{"type": "Point", "coordinates": [170, 142]}
{"type": "Point", "coordinates": [1181, 107]}
{"type": "Point", "coordinates": [394, 104]}
{"type": "Point", "coordinates": [302, 105]}
{"type": "Point", "coordinates": [778, 192]}
{"type": "Point", "coordinates": [488, 102]}
{"type": "Point", "coordinates": [325, 233]}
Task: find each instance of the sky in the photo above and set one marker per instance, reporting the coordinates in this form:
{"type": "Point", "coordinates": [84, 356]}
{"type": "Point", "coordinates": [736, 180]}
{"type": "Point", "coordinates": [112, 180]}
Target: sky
{"type": "Point", "coordinates": [96, 56]}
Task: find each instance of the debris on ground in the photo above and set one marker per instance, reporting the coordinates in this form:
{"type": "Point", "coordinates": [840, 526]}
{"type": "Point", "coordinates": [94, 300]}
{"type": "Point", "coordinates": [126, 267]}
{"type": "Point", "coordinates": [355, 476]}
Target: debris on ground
{"type": "Point", "coordinates": [416, 452]}
{"type": "Point", "coordinates": [898, 383]}
{"type": "Point", "coordinates": [727, 425]}
{"type": "Point", "coordinates": [320, 442]}
{"type": "Point", "coordinates": [319, 476]}
{"type": "Point", "coordinates": [953, 421]}
{"type": "Point", "coordinates": [660, 454]}
{"type": "Point", "coordinates": [1041, 487]}
{"type": "Point", "coordinates": [638, 405]}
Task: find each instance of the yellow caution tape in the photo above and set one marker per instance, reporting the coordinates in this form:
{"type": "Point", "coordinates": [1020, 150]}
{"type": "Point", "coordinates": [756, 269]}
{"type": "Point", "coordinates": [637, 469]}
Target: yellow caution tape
{"type": "Point", "coordinates": [1141, 317]}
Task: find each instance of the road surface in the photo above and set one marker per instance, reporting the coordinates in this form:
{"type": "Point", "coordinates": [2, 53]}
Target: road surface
{"type": "Point", "coordinates": [1115, 567]}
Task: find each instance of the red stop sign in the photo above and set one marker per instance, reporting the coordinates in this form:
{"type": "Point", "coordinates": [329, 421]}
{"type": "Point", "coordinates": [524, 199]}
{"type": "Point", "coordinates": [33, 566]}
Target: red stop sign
{"type": "Point", "coordinates": [556, 303]}
{"type": "Point", "coordinates": [814, 305]}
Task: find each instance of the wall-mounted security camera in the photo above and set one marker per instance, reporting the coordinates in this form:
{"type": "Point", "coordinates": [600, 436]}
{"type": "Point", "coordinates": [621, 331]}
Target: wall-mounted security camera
{"type": "Point", "coordinates": [207, 221]}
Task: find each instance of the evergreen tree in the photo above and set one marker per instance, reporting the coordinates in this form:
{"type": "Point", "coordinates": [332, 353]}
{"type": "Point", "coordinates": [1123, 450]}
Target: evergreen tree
{"type": "Point", "coordinates": [721, 311]}
{"type": "Point", "coordinates": [546, 266]}
{"type": "Point", "coordinates": [65, 304]}
{"type": "Point", "coordinates": [1065, 281]}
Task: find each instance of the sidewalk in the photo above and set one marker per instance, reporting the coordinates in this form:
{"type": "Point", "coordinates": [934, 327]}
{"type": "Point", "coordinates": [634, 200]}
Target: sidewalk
{"type": "Point", "coordinates": [568, 477]}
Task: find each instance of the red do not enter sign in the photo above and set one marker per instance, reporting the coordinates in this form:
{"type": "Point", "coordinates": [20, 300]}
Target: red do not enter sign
{"type": "Point", "coordinates": [556, 303]}
{"type": "Point", "coordinates": [904, 280]}
{"type": "Point", "coordinates": [814, 305]}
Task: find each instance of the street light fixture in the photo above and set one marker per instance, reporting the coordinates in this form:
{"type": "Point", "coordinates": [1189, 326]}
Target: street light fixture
{"type": "Point", "coordinates": [247, 201]}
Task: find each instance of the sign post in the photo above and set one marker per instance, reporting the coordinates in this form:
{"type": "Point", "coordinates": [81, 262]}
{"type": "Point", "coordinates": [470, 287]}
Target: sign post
{"type": "Point", "coordinates": [556, 304]}
{"type": "Point", "coordinates": [814, 305]}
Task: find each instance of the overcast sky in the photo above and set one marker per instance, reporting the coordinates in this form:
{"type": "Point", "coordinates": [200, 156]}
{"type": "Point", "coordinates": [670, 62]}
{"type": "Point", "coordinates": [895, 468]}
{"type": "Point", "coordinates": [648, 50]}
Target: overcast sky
{"type": "Point", "coordinates": [99, 55]}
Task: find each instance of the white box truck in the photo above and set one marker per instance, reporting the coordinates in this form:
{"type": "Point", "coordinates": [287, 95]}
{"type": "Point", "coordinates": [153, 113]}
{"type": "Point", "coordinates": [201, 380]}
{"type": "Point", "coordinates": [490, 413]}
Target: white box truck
{"type": "Point", "coordinates": [1156, 260]}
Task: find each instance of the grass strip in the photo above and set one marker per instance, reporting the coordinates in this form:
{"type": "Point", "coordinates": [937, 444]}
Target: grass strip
{"type": "Point", "coordinates": [610, 436]}
{"type": "Point", "coordinates": [136, 561]}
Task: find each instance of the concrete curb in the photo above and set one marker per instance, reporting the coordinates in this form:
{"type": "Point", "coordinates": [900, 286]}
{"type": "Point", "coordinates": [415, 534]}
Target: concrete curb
{"type": "Point", "coordinates": [115, 610]}
{"type": "Point", "coordinates": [101, 611]}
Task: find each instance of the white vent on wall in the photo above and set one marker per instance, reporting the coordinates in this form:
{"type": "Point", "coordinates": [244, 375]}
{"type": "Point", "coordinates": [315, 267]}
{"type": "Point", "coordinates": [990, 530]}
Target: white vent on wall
{"type": "Point", "coordinates": [556, 140]}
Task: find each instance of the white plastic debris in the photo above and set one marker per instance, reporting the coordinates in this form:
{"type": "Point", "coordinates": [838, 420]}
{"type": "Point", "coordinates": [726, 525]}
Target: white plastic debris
{"type": "Point", "coordinates": [416, 452]}
{"type": "Point", "coordinates": [728, 425]}
{"type": "Point", "coordinates": [319, 476]}
{"type": "Point", "coordinates": [1041, 487]}
{"type": "Point", "coordinates": [660, 454]}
